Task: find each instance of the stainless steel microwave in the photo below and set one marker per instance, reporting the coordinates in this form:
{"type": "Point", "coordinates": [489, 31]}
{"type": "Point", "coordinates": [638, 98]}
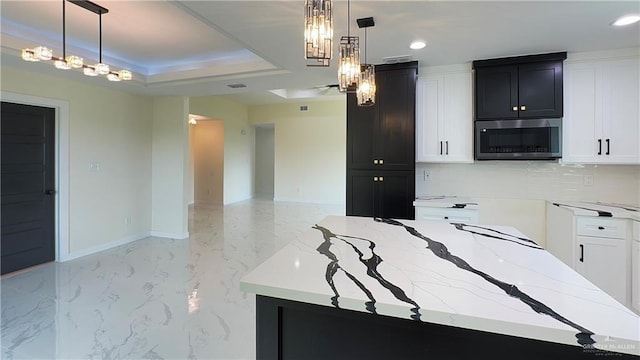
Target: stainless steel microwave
{"type": "Point", "coordinates": [530, 139]}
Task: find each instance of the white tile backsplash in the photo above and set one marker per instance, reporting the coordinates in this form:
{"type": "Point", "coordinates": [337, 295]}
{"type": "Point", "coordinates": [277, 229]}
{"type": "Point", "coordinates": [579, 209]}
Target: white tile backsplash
{"type": "Point", "coordinates": [534, 180]}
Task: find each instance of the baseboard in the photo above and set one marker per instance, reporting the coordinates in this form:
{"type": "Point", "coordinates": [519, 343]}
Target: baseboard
{"type": "Point", "coordinates": [107, 246]}
{"type": "Point", "coordinates": [170, 235]}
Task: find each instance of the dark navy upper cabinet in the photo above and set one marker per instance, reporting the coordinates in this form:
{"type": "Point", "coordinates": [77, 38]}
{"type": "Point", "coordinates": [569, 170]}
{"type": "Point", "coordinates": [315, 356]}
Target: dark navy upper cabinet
{"type": "Point", "coordinates": [523, 87]}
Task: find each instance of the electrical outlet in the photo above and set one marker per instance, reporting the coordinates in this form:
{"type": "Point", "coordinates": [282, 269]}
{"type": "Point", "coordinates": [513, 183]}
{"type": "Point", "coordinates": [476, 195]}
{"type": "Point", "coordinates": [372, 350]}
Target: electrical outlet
{"type": "Point", "coordinates": [587, 180]}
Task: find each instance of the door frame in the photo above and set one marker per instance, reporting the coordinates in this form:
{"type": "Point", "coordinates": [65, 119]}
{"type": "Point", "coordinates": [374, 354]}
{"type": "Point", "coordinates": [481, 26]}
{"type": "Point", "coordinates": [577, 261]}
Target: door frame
{"type": "Point", "coordinates": [61, 166]}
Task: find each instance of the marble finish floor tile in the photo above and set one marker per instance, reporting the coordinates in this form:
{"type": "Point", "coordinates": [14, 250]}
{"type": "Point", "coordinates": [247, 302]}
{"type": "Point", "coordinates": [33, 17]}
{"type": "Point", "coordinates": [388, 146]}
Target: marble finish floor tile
{"type": "Point", "coordinates": [154, 298]}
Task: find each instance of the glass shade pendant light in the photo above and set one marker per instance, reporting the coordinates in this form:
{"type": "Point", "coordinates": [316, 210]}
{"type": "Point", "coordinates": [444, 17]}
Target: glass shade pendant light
{"type": "Point", "coordinates": [29, 55]}
{"type": "Point", "coordinates": [76, 62]}
{"type": "Point", "coordinates": [366, 93]}
{"type": "Point", "coordinates": [349, 66]}
{"type": "Point", "coordinates": [68, 62]}
{"type": "Point", "coordinates": [318, 32]}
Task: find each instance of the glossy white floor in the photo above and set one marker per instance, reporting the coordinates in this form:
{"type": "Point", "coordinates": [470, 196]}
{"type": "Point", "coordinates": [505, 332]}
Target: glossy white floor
{"type": "Point", "coordinates": [154, 298]}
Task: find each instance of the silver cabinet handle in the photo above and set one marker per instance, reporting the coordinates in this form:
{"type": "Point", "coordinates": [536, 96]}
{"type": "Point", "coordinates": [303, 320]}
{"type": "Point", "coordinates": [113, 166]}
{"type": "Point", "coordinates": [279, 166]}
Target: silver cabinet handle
{"type": "Point", "coordinates": [515, 108]}
{"type": "Point", "coordinates": [523, 108]}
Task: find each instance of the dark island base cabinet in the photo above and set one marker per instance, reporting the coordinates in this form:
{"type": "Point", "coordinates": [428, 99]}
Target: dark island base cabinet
{"type": "Point", "coordinates": [294, 330]}
{"type": "Point", "coordinates": [379, 193]}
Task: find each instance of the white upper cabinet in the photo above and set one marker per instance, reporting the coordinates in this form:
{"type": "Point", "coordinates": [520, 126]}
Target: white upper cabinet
{"type": "Point", "coordinates": [444, 119]}
{"type": "Point", "coordinates": [601, 122]}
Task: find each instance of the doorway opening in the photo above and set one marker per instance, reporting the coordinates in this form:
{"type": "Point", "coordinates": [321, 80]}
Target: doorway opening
{"type": "Point", "coordinates": [265, 161]}
{"type": "Point", "coordinates": [206, 148]}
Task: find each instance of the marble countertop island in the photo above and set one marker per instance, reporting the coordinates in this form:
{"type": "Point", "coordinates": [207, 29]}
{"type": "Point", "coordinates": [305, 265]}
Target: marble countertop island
{"type": "Point", "coordinates": [486, 278]}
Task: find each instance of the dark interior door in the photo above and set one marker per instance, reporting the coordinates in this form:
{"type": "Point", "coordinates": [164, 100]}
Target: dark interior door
{"type": "Point", "coordinates": [27, 186]}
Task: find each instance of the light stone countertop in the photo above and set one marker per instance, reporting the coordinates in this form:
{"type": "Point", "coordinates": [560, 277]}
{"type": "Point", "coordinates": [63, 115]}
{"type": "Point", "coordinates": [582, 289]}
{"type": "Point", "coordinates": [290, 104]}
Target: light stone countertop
{"type": "Point", "coordinates": [488, 278]}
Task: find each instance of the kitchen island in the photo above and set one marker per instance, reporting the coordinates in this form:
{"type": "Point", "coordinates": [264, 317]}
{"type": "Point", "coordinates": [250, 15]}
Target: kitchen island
{"type": "Point", "coordinates": [354, 287]}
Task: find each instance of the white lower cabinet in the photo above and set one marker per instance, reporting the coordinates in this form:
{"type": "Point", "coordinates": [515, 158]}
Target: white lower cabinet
{"type": "Point", "coordinates": [596, 247]}
{"type": "Point", "coordinates": [635, 267]}
{"type": "Point", "coordinates": [602, 261]}
{"type": "Point", "coordinates": [452, 215]}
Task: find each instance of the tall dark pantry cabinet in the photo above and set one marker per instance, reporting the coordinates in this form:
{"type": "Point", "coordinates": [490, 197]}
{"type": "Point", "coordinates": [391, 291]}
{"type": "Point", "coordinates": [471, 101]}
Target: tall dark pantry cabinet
{"type": "Point", "coordinates": [381, 146]}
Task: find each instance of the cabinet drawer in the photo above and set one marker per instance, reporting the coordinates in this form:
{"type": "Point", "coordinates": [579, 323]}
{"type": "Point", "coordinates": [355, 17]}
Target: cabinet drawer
{"type": "Point", "coordinates": [597, 226]}
{"type": "Point", "coordinates": [465, 216]}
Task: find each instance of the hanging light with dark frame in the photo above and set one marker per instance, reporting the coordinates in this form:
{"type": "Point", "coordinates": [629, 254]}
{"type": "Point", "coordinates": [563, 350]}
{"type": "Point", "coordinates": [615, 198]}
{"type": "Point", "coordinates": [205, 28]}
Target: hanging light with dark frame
{"type": "Point", "coordinates": [366, 93]}
{"type": "Point", "coordinates": [318, 32]}
{"type": "Point", "coordinates": [349, 66]}
{"type": "Point", "coordinates": [68, 62]}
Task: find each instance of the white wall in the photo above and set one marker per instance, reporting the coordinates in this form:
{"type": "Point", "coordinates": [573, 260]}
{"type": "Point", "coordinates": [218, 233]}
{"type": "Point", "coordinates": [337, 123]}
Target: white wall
{"type": "Point", "coordinates": [310, 150]}
{"type": "Point", "coordinates": [238, 143]}
{"type": "Point", "coordinates": [264, 161]}
{"type": "Point", "coordinates": [108, 127]}
{"type": "Point", "coordinates": [208, 149]}
{"type": "Point", "coordinates": [513, 192]}
{"type": "Point", "coordinates": [170, 163]}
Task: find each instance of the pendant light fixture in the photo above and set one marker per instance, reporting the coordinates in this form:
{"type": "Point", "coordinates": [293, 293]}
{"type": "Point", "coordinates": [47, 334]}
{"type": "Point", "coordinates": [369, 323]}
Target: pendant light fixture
{"type": "Point", "coordinates": [318, 32]}
{"type": "Point", "coordinates": [366, 93]}
{"type": "Point", "coordinates": [349, 67]}
{"type": "Point", "coordinates": [68, 62]}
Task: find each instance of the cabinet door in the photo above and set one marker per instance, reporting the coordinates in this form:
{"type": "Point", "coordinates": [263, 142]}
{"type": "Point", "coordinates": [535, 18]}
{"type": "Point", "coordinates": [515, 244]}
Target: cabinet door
{"type": "Point", "coordinates": [444, 120]}
{"type": "Point", "coordinates": [387, 194]}
{"type": "Point", "coordinates": [396, 113]}
{"type": "Point", "coordinates": [620, 111]}
{"type": "Point", "coordinates": [395, 194]}
{"type": "Point", "coordinates": [429, 112]}
{"type": "Point", "coordinates": [361, 192]}
{"type": "Point", "coordinates": [581, 129]}
{"type": "Point", "coordinates": [361, 130]}
{"type": "Point", "coordinates": [497, 93]}
{"type": "Point", "coordinates": [540, 90]}
{"type": "Point", "coordinates": [457, 119]}
{"type": "Point", "coordinates": [603, 262]}
{"type": "Point", "coordinates": [602, 119]}
{"type": "Point", "coordinates": [635, 275]}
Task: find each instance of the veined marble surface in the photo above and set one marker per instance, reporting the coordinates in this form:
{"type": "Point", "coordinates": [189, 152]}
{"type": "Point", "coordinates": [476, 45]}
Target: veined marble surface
{"type": "Point", "coordinates": [446, 202]}
{"type": "Point", "coordinates": [479, 277]}
{"type": "Point", "coordinates": [154, 298]}
{"type": "Point", "coordinates": [600, 209]}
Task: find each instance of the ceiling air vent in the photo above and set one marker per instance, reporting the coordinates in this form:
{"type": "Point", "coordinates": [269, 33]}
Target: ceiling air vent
{"type": "Point", "coordinates": [237, 86]}
{"type": "Point", "coordinates": [397, 59]}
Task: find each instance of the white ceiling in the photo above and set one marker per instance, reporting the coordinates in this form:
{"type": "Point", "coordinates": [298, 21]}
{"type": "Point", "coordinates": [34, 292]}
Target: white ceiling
{"type": "Point", "coordinates": [200, 47]}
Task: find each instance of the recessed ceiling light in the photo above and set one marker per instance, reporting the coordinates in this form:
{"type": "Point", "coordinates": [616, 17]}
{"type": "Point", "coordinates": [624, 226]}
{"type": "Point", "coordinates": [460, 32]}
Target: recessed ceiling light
{"type": "Point", "coordinates": [627, 20]}
{"type": "Point", "coordinates": [417, 45]}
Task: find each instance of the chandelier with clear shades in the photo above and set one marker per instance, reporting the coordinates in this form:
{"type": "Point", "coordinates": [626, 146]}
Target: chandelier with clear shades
{"type": "Point", "coordinates": [318, 32]}
{"type": "Point", "coordinates": [349, 66]}
{"type": "Point", "coordinates": [366, 92]}
{"type": "Point", "coordinates": [72, 61]}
